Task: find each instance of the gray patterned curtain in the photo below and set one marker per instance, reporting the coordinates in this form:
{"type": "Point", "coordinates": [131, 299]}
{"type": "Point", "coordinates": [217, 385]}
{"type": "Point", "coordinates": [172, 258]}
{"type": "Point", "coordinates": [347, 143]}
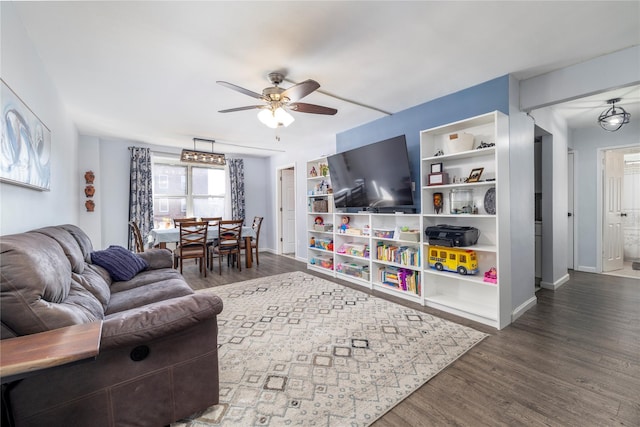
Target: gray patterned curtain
{"type": "Point", "coordinates": [236, 179]}
{"type": "Point", "coordinates": [140, 193]}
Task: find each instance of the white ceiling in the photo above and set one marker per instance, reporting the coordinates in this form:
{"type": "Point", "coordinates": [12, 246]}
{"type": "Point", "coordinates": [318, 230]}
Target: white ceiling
{"type": "Point", "coordinates": [147, 71]}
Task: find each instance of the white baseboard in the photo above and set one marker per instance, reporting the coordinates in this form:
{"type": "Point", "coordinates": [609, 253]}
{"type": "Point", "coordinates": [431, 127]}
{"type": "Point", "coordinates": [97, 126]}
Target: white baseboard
{"type": "Point", "coordinates": [586, 269]}
{"type": "Point", "coordinates": [555, 285]}
{"type": "Point", "coordinates": [519, 311]}
{"type": "Point", "coordinates": [275, 252]}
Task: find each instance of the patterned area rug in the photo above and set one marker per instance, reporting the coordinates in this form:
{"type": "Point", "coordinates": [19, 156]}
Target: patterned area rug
{"type": "Point", "coordinates": [298, 350]}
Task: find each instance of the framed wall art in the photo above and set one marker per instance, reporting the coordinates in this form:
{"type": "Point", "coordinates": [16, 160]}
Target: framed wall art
{"type": "Point", "coordinates": [25, 147]}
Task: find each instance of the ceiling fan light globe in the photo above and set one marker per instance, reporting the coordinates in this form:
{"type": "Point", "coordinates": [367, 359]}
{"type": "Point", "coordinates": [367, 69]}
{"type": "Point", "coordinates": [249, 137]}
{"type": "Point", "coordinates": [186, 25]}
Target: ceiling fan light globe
{"type": "Point", "coordinates": [266, 117]}
{"type": "Point", "coordinates": [275, 119]}
{"type": "Point", "coordinates": [283, 118]}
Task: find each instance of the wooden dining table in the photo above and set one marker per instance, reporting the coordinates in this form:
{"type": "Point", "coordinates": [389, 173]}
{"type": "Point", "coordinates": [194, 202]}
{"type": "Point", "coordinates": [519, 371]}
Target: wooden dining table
{"type": "Point", "coordinates": [161, 236]}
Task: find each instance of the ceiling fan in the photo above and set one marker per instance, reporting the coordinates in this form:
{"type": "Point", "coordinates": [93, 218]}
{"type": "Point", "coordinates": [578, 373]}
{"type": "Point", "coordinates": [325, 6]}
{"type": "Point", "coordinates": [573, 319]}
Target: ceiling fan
{"type": "Point", "coordinates": [278, 100]}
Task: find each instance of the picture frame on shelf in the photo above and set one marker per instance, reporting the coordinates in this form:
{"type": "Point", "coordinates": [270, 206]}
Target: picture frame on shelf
{"type": "Point", "coordinates": [436, 167]}
{"type": "Point", "coordinates": [475, 175]}
{"type": "Point", "coordinates": [440, 178]}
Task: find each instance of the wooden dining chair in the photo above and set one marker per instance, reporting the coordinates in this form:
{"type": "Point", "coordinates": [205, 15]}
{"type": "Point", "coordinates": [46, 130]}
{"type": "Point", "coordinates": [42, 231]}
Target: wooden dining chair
{"type": "Point", "coordinates": [177, 221]}
{"type": "Point", "coordinates": [229, 238]}
{"type": "Point", "coordinates": [193, 244]}
{"type": "Point", "coordinates": [137, 236]}
{"type": "Point", "coordinates": [257, 224]}
{"type": "Point", "coordinates": [213, 222]}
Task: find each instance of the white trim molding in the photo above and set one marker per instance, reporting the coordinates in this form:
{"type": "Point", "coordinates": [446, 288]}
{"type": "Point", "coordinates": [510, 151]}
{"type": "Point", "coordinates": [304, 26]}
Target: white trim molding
{"type": "Point", "coordinates": [519, 311]}
{"type": "Point", "coordinates": [555, 285]}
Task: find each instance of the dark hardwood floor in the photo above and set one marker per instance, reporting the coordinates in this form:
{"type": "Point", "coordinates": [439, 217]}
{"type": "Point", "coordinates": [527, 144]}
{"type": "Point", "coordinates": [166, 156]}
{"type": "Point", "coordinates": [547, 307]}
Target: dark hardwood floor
{"type": "Point", "coordinates": [572, 360]}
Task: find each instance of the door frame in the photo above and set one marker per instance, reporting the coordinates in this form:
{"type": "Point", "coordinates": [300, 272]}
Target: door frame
{"type": "Point", "coordinates": [572, 239]}
{"type": "Point", "coordinates": [279, 199]}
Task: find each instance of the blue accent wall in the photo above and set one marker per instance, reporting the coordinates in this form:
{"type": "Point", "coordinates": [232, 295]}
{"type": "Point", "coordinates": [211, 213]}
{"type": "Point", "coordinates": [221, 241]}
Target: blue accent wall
{"type": "Point", "coordinates": [480, 99]}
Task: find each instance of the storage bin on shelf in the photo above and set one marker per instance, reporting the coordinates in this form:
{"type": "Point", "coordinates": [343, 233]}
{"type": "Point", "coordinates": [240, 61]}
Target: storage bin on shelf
{"type": "Point", "coordinates": [459, 142]}
{"type": "Point", "coordinates": [320, 243]}
{"type": "Point", "coordinates": [323, 227]}
{"type": "Point", "coordinates": [354, 249]}
{"type": "Point", "coordinates": [323, 261]}
{"type": "Point", "coordinates": [410, 235]}
{"type": "Point", "coordinates": [353, 231]}
{"type": "Point", "coordinates": [461, 201]}
{"type": "Point", "coordinates": [320, 205]}
{"type": "Point", "coordinates": [353, 269]}
{"type": "Point", "coordinates": [383, 233]}
{"type": "Point", "coordinates": [400, 278]}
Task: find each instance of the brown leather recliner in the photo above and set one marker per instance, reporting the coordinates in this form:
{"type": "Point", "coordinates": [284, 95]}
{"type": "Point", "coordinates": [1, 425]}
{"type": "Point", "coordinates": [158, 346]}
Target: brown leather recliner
{"type": "Point", "coordinates": [158, 359]}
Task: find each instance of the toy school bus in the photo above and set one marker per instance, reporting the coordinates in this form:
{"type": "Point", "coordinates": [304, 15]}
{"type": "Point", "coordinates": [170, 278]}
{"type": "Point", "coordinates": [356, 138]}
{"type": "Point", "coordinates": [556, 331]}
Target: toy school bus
{"type": "Point", "coordinates": [463, 261]}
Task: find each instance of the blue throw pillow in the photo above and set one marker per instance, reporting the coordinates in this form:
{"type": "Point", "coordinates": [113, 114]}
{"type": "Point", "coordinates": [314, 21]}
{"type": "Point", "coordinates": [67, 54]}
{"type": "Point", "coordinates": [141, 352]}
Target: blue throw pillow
{"type": "Point", "coordinates": [121, 263]}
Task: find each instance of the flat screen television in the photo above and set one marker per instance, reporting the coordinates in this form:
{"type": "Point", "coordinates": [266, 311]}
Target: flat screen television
{"type": "Point", "coordinates": [373, 177]}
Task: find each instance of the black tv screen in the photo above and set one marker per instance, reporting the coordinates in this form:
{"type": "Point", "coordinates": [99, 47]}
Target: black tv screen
{"type": "Point", "coordinates": [372, 177]}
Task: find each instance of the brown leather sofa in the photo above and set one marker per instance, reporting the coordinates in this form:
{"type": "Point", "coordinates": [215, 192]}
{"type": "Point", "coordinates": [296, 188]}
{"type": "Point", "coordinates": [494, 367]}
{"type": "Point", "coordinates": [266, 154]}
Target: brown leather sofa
{"type": "Point", "coordinates": [158, 359]}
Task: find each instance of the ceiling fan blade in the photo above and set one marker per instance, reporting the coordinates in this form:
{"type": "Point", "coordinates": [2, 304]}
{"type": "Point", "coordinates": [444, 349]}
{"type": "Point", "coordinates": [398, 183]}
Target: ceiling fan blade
{"type": "Point", "coordinates": [250, 107]}
{"type": "Point", "coordinates": [241, 89]}
{"type": "Point", "coordinates": [312, 108]}
{"type": "Point", "coordinates": [300, 90]}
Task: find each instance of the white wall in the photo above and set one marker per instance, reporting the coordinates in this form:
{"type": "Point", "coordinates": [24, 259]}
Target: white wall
{"type": "Point", "coordinates": [586, 143]}
{"type": "Point", "coordinates": [22, 208]}
{"type": "Point", "coordinates": [112, 189]}
{"type": "Point", "coordinates": [572, 82]}
{"type": "Point", "coordinates": [258, 195]}
{"type": "Point", "coordinates": [521, 202]}
{"type": "Point", "coordinates": [298, 158]}
{"type": "Point", "coordinates": [554, 198]}
{"type": "Point", "coordinates": [605, 72]}
{"type": "Point", "coordinates": [89, 160]}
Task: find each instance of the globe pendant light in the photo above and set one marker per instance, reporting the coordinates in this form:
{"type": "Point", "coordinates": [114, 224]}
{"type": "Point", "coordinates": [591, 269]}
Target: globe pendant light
{"type": "Point", "coordinates": [612, 119]}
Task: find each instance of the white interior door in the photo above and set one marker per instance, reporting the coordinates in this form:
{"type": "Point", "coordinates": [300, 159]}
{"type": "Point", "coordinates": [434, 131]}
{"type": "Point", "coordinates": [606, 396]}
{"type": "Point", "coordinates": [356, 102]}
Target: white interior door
{"type": "Point", "coordinates": [612, 238]}
{"type": "Point", "coordinates": [288, 211]}
{"type": "Point", "coordinates": [570, 219]}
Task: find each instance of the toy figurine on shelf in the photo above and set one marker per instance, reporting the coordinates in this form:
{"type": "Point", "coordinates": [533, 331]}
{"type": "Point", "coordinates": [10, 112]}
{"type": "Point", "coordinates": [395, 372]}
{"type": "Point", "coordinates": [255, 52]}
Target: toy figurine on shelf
{"type": "Point", "coordinates": [312, 242]}
{"type": "Point", "coordinates": [345, 224]}
{"type": "Point", "coordinates": [491, 276]}
{"type": "Point", "coordinates": [313, 173]}
{"type": "Point", "coordinates": [319, 220]}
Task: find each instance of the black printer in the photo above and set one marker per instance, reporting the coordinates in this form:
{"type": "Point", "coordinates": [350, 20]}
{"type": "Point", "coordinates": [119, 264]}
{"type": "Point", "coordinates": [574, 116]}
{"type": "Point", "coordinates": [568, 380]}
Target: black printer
{"type": "Point", "coordinates": [451, 235]}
